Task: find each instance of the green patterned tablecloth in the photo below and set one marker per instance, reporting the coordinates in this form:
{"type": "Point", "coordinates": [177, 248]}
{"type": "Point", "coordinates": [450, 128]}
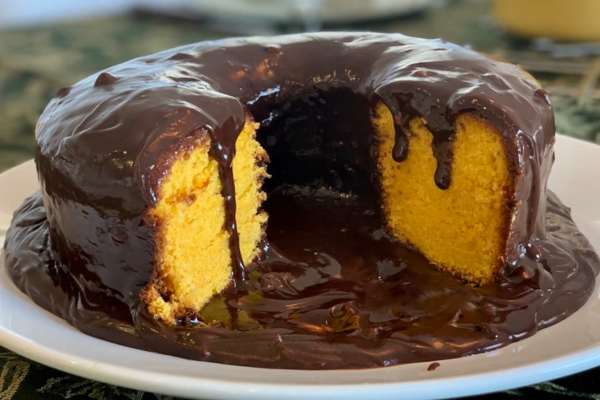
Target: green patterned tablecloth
{"type": "Point", "coordinates": [35, 62]}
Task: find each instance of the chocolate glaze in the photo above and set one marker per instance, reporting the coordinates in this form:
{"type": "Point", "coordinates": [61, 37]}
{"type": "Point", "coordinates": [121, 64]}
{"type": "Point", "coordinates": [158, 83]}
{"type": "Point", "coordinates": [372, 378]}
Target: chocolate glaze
{"type": "Point", "coordinates": [128, 128]}
{"type": "Point", "coordinates": [224, 152]}
{"type": "Point", "coordinates": [344, 296]}
{"type": "Point", "coordinates": [106, 143]}
{"type": "Point", "coordinates": [433, 366]}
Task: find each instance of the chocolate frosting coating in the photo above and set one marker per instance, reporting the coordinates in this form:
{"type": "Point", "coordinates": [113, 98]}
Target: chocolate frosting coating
{"type": "Point", "coordinates": [112, 137]}
{"type": "Point", "coordinates": [344, 296]}
{"type": "Point", "coordinates": [105, 144]}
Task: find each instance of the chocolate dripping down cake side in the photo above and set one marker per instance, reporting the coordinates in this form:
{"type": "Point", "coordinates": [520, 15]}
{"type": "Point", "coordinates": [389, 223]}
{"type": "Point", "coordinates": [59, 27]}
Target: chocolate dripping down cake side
{"type": "Point", "coordinates": [312, 201]}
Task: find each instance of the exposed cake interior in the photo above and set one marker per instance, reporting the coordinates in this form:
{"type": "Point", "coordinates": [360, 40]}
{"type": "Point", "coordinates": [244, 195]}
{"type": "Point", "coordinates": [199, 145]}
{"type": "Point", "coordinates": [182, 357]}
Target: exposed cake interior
{"type": "Point", "coordinates": [339, 141]}
{"type": "Point", "coordinates": [462, 229]}
{"type": "Point", "coordinates": [194, 258]}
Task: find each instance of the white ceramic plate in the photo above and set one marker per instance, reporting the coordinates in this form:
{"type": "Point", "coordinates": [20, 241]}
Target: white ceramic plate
{"type": "Point", "coordinates": [567, 348]}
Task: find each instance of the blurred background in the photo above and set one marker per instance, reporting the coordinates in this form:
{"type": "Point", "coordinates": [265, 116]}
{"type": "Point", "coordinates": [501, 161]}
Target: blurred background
{"type": "Point", "coordinates": [45, 44]}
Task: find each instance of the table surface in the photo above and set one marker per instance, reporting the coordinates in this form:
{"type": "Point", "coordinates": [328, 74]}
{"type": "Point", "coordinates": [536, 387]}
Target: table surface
{"type": "Point", "coordinates": [35, 62]}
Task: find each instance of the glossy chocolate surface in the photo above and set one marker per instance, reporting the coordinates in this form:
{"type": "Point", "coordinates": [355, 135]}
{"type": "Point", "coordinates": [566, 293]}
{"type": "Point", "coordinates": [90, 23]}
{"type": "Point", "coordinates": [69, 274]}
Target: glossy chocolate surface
{"type": "Point", "coordinates": [109, 141]}
{"type": "Point", "coordinates": [106, 143]}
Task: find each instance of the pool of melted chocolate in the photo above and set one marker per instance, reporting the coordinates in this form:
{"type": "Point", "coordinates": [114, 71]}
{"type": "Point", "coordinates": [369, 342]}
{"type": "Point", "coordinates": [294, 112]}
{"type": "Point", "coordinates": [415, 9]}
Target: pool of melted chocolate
{"type": "Point", "coordinates": [332, 291]}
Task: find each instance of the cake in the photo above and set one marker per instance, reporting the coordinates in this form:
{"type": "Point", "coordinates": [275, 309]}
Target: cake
{"type": "Point", "coordinates": [154, 175]}
{"type": "Point", "coordinates": [446, 125]}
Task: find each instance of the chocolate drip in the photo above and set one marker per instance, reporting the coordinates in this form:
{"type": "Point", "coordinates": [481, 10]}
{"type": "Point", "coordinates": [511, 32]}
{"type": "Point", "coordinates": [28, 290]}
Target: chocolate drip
{"type": "Point", "coordinates": [433, 366]}
{"type": "Point", "coordinates": [223, 150]}
{"type": "Point", "coordinates": [528, 151]}
{"type": "Point", "coordinates": [442, 147]}
{"type": "Point", "coordinates": [400, 150]}
{"type": "Point", "coordinates": [439, 120]}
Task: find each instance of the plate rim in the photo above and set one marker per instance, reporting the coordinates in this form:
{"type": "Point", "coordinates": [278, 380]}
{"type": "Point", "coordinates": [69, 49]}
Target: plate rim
{"type": "Point", "coordinates": [149, 381]}
{"type": "Point", "coordinates": [184, 386]}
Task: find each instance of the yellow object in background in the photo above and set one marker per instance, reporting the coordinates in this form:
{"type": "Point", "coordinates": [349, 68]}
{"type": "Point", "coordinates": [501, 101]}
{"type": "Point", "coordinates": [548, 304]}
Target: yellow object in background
{"type": "Point", "coordinates": [566, 20]}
